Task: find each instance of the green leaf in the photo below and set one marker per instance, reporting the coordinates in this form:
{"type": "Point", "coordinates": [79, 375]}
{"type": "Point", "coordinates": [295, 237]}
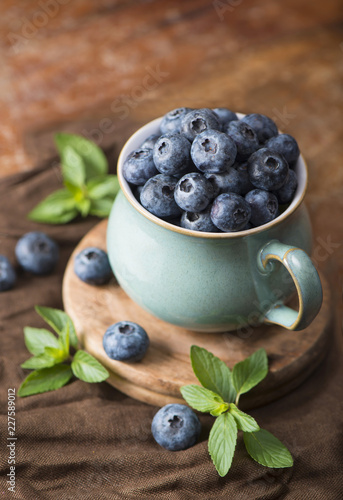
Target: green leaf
{"type": "Point", "coordinates": [222, 442]}
{"type": "Point", "coordinates": [57, 319]}
{"type": "Point", "coordinates": [58, 208]}
{"type": "Point", "coordinates": [202, 399]}
{"type": "Point", "coordinates": [250, 372]}
{"type": "Point", "coordinates": [73, 167]}
{"type": "Point", "coordinates": [36, 339]}
{"type": "Point", "coordinates": [45, 380]}
{"type": "Point", "coordinates": [244, 421]}
{"type": "Point", "coordinates": [50, 357]}
{"type": "Point", "coordinates": [267, 450]}
{"type": "Point", "coordinates": [94, 160]}
{"type": "Point", "coordinates": [212, 373]}
{"type": "Point", "coordinates": [101, 187]}
{"type": "Point", "coordinates": [64, 338]}
{"type": "Point", "coordinates": [87, 368]}
{"type": "Point", "coordinates": [101, 208]}
{"type": "Point", "coordinates": [84, 206]}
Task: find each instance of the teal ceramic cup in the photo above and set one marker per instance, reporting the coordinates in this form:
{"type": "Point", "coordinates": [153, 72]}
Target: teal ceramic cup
{"type": "Point", "coordinates": [214, 282]}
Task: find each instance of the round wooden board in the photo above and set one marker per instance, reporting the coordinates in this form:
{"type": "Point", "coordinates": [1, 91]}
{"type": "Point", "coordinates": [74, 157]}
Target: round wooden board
{"type": "Point", "coordinates": [166, 367]}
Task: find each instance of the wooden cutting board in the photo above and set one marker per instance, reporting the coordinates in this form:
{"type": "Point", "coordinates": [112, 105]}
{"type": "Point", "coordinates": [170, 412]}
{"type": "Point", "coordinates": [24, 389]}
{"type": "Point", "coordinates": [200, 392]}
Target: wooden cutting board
{"type": "Point", "coordinates": [166, 367]}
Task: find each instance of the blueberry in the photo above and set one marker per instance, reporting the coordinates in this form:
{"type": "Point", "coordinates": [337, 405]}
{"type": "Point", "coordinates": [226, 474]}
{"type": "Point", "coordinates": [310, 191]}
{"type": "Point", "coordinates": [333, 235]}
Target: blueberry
{"type": "Point", "coordinates": [171, 122]}
{"type": "Point", "coordinates": [225, 116]}
{"type": "Point", "coordinates": [245, 184]}
{"type": "Point", "coordinates": [213, 152]}
{"type": "Point", "coordinates": [172, 154]}
{"type": "Point", "coordinates": [149, 142]}
{"type": "Point", "coordinates": [157, 196]}
{"type": "Point", "coordinates": [264, 206]}
{"type": "Point", "coordinates": [264, 126]}
{"type": "Point", "coordinates": [197, 121]}
{"type": "Point", "coordinates": [193, 192]}
{"type": "Point", "coordinates": [137, 192]}
{"type": "Point", "coordinates": [92, 266]}
{"type": "Point", "coordinates": [228, 182]}
{"type": "Point", "coordinates": [286, 145]}
{"type": "Point", "coordinates": [37, 253]}
{"type": "Point", "coordinates": [139, 166]}
{"type": "Point", "coordinates": [267, 169]}
{"type": "Point", "coordinates": [286, 193]}
{"type": "Point", "coordinates": [244, 137]}
{"type": "Point", "coordinates": [175, 427]}
{"type": "Point", "coordinates": [125, 341]}
{"type": "Point", "coordinates": [7, 274]}
{"type": "Point", "coordinates": [230, 212]}
{"type": "Point", "coordinates": [200, 221]}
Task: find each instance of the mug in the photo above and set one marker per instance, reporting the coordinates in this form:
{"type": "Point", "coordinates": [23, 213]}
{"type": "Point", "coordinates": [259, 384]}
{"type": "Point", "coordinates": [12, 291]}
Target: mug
{"type": "Point", "coordinates": [213, 282]}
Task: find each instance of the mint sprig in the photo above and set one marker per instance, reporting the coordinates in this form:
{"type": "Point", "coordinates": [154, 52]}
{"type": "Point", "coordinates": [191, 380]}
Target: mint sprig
{"type": "Point", "coordinates": [219, 395]}
{"type": "Point", "coordinates": [88, 187]}
{"type": "Point", "coordinates": [52, 361]}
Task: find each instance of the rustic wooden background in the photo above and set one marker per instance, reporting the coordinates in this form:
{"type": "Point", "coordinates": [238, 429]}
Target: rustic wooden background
{"type": "Point", "coordinates": [103, 68]}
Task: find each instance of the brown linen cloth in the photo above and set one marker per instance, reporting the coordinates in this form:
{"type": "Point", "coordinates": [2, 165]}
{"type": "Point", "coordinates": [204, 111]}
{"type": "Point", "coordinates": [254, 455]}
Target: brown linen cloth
{"type": "Point", "coordinates": [89, 441]}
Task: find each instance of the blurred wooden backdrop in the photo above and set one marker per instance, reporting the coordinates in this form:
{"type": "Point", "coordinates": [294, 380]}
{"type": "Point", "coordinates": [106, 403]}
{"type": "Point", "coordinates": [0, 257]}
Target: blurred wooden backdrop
{"type": "Point", "coordinates": [103, 68]}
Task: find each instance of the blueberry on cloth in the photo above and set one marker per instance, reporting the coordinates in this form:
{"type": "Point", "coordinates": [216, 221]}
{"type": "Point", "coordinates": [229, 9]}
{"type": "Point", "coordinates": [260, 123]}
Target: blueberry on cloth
{"type": "Point", "coordinates": [264, 206]}
{"type": "Point", "coordinates": [125, 341]}
{"type": "Point", "coordinates": [286, 145]}
{"type": "Point", "coordinates": [244, 137]}
{"type": "Point", "coordinates": [193, 192]}
{"type": "Point", "coordinates": [171, 122]}
{"type": "Point", "coordinates": [213, 151]}
{"type": "Point", "coordinates": [92, 266]}
{"type": "Point", "coordinates": [172, 154]}
{"type": "Point", "coordinates": [175, 427]}
{"type": "Point", "coordinates": [267, 169]}
{"type": "Point", "coordinates": [149, 142]}
{"type": "Point", "coordinates": [139, 166]}
{"type": "Point", "coordinates": [197, 121]}
{"type": "Point", "coordinates": [228, 182]}
{"type": "Point", "coordinates": [37, 253]}
{"type": "Point", "coordinates": [230, 212]}
{"type": "Point", "coordinates": [157, 196]}
{"type": "Point", "coordinates": [200, 221]}
{"type": "Point", "coordinates": [7, 274]}
{"type": "Point", "coordinates": [264, 126]}
{"type": "Point", "coordinates": [286, 193]}
{"type": "Point", "coordinates": [225, 116]}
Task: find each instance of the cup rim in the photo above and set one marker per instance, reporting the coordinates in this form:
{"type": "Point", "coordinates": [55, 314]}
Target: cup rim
{"type": "Point", "coordinates": [152, 127]}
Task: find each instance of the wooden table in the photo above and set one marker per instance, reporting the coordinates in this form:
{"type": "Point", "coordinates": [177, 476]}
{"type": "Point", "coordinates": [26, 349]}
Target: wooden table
{"type": "Point", "coordinates": [104, 68]}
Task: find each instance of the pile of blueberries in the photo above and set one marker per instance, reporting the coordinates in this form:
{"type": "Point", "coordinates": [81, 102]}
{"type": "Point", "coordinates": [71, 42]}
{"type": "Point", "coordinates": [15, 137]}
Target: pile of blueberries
{"type": "Point", "coordinates": [211, 171]}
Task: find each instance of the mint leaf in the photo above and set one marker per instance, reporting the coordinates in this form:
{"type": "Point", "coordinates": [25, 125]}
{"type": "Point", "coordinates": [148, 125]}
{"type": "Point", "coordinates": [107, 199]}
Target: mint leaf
{"type": "Point", "coordinates": [101, 208]}
{"type": "Point", "coordinates": [250, 372]}
{"type": "Point", "coordinates": [57, 319]}
{"type": "Point", "coordinates": [202, 399]}
{"type": "Point", "coordinates": [87, 368]}
{"type": "Point", "coordinates": [84, 206]}
{"type": "Point", "coordinates": [73, 167]}
{"type": "Point", "coordinates": [267, 450]}
{"type": "Point", "coordinates": [45, 380]}
{"type": "Point", "coordinates": [212, 373]}
{"type": "Point", "coordinates": [244, 421]}
{"type": "Point", "coordinates": [222, 442]}
{"type": "Point", "coordinates": [59, 207]}
{"type": "Point", "coordinates": [65, 338]}
{"type": "Point", "coordinates": [51, 356]}
{"type": "Point", "coordinates": [36, 339]}
{"type": "Point", "coordinates": [94, 160]}
{"type": "Point", "coordinates": [101, 187]}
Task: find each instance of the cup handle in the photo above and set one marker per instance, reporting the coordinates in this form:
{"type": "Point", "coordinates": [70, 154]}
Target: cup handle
{"type": "Point", "coordinates": [306, 280]}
